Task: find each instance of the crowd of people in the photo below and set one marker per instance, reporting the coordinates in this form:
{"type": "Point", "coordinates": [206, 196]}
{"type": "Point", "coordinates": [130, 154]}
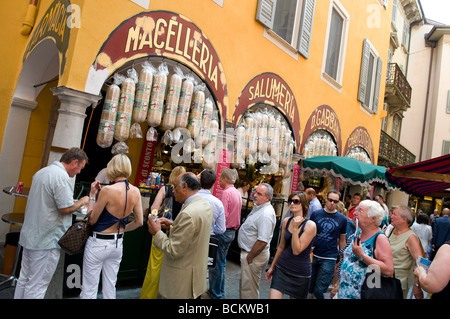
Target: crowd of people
{"type": "Point", "coordinates": [320, 250]}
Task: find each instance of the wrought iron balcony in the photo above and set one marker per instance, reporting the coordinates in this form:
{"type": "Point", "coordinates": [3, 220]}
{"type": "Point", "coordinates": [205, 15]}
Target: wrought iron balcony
{"type": "Point", "coordinates": [398, 90]}
{"type": "Point", "coordinates": [392, 153]}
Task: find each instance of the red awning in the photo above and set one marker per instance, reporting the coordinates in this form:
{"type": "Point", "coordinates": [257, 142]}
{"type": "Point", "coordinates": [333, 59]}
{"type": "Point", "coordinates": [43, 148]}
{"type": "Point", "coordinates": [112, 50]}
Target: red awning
{"type": "Point", "coordinates": [427, 178]}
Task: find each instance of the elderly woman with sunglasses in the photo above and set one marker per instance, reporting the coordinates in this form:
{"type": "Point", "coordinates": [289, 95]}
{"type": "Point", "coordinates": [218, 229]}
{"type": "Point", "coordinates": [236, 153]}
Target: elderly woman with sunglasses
{"type": "Point", "coordinates": [360, 253]}
{"type": "Point", "coordinates": [290, 271]}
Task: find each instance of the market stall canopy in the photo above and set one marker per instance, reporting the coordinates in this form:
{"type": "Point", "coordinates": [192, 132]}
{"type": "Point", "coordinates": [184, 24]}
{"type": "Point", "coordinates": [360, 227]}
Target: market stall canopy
{"type": "Point", "coordinates": [348, 169]}
{"type": "Point", "coordinates": [427, 178]}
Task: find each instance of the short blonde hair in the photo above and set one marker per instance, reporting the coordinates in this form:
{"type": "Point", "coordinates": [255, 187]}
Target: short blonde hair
{"type": "Point", "coordinates": [177, 171]}
{"type": "Point", "coordinates": [118, 166]}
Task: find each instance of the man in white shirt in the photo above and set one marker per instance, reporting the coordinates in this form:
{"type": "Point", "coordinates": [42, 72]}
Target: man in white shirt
{"type": "Point", "coordinates": [254, 239]}
{"type": "Point", "coordinates": [47, 217]}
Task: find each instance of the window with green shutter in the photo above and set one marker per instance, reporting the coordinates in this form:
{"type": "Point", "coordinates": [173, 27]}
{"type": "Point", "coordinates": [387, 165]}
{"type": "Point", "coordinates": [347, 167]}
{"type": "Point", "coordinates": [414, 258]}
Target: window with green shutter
{"type": "Point", "coordinates": [445, 147]}
{"type": "Point", "coordinates": [291, 20]}
{"type": "Point", "coordinates": [370, 77]}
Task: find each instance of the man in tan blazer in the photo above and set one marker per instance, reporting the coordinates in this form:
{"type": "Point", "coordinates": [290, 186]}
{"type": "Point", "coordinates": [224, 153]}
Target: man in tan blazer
{"type": "Point", "coordinates": [184, 267]}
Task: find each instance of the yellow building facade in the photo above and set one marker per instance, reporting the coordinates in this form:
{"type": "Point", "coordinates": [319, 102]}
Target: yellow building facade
{"type": "Point", "coordinates": [319, 66]}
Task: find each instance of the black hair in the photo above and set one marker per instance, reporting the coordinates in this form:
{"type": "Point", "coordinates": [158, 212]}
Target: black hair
{"type": "Point", "coordinates": [207, 178]}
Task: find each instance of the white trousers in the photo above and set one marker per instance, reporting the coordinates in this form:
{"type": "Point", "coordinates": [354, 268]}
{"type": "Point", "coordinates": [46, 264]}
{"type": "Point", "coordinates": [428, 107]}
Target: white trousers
{"type": "Point", "coordinates": [37, 269]}
{"type": "Point", "coordinates": [101, 255]}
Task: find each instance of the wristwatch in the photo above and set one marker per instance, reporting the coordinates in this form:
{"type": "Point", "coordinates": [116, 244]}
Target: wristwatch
{"type": "Point", "coordinates": [362, 257]}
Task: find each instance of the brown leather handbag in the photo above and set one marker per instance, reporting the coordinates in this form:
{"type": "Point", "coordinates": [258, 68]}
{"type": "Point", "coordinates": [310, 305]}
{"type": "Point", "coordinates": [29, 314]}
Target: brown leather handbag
{"type": "Point", "coordinates": [74, 239]}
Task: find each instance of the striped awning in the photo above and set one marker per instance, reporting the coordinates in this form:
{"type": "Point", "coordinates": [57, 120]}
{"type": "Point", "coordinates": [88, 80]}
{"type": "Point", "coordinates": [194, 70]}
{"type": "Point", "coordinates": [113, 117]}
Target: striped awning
{"type": "Point", "coordinates": [427, 178]}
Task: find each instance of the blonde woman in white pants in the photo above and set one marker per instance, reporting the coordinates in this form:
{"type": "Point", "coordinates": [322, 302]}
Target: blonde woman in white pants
{"type": "Point", "coordinates": [110, 210]}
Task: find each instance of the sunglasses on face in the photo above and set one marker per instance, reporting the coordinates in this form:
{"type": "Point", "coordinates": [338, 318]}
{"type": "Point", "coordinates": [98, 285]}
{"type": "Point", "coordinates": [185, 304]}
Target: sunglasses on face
{"type": "Point", "coordinates": [294, 201]}
{"type": "Point", "coordinates": [333, 200]}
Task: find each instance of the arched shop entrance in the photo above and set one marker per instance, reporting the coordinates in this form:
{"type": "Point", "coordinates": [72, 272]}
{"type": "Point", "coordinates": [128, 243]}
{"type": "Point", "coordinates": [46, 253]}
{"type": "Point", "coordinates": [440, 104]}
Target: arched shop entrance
{"type": "Point", "coordinates": [155, 38]}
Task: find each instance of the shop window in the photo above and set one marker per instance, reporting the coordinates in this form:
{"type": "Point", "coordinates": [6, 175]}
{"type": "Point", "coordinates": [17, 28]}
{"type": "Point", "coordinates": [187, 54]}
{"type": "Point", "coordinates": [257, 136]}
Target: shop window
{"type": "Point", "coordinates": [360, 154]}
{"type": "Point", "coordinates": [320, 143]}
{"type": "Point", "coordinates": [335, 45]}
{"type": "Point", "coordinates": [290, 20]}
{"type": "Point", "coordinates": [370, 77]}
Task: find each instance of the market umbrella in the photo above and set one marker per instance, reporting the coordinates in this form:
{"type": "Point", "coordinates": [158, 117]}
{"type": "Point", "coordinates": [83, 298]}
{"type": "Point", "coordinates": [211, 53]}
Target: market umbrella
{"type": "Point", "coordinates": [347, 169]}
{"type": "Point", "coordinates": [427, 178]}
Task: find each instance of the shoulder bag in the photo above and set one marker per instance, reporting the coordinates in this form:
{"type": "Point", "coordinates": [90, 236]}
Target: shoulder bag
{"type": "Point", "coordinates": [385, 288]}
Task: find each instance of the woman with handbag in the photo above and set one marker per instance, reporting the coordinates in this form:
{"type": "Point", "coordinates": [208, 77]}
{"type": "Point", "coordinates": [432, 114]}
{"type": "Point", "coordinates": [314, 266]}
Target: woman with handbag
{"type": "Point", "coordinates": [150, 287]}
{"type": "Point", "coordinates": [360, 253]}
{"type": "Point", "coordinates": [109, 210]}
{"type": "Point", "coordinates": [406, 247]}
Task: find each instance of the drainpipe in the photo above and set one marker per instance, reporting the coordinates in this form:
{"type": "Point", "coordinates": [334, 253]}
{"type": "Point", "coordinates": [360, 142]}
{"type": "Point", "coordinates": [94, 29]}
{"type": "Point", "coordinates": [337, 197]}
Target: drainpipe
{"type": "Point", "coordinates": [30, 18]}
{"type": "Point", "coordinates": [427, 102]}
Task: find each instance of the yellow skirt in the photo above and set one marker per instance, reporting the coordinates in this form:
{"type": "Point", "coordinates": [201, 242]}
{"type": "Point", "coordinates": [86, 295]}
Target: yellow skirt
{"type": "Point", "coordinates": [150, 287]}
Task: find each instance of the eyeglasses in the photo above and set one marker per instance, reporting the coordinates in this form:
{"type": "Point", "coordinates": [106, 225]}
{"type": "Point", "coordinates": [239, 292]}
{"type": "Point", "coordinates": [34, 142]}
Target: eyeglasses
{"type": "Point", "coordinates": [333, 200]}
{"type": "Point", "coordinates": [295, 201]}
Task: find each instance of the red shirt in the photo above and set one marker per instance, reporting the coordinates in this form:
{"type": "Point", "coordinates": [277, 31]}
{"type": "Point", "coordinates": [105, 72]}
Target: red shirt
{"type": "Point", "coordinates": [232, 203]}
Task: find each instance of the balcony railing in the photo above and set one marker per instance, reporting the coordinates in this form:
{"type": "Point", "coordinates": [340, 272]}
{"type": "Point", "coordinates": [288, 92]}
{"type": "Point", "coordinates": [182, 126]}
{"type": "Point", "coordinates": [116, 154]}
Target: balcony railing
{"type": "Point", "coordinates": [393, 153]}
{"type": "Point", "coordinates": [398, 90]}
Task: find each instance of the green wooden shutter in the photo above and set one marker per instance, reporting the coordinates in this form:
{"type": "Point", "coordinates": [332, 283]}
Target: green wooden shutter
{"type": "Point", "coordinates": [394, 12]}
{"type": "Point", "coordinates": [304, 38]}
{"type": "Point", "coordinates": [376, 97]}
{"type": "Point", "coordinates": [364, 72]}
{"type": "Point", "coordinates": [448, 101]}
{"type": "Point", "coordinates": [445, 147]}
{"type": "Point", "coordinates": [266, 12]}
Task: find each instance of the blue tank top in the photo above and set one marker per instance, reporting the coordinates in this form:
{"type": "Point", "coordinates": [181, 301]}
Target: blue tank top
{"type": "Point", "coordinates": [106, 220]}
{"type": "Point", "coordinates": [291, 264]}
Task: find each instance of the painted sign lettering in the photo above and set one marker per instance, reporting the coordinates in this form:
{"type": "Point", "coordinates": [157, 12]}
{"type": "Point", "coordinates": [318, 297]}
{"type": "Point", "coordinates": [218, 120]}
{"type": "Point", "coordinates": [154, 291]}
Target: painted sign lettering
{"type": "Point", "coordinates": [269, 88]}
{"type": "Point", "coordinates": [360, 137]}
{"type": "Point", "coordinates": [324, 118]}
{"type": "Point", "coordinates": [167, 34]}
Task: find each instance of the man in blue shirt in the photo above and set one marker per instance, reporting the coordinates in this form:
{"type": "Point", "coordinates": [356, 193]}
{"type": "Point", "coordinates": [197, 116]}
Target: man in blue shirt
{"type": "Point", "coordinates": [207, 180]}
{"type": "Point", "coordinates": [331, 230]}
{"type": "Point", "coordinates": [314, 203]}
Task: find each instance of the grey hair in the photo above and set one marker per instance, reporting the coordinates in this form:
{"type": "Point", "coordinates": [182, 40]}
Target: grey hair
{"type": "Point", "coordinates": [373, 210]}
{"type": "Point", "coordinates": [269, 190]}
{"type": "Point", "coordinates": [230, 175]}
{"type": "Point", "coordinates": [407, 213]}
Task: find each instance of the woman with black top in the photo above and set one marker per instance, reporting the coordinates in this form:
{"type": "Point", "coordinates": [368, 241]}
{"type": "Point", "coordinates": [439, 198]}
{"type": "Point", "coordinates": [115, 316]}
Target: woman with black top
{"type": "Point", "coordinates": [150, 287]}
{"type": "Point", "coordinates": [109, 210]}
{"type": "Point", "coordinates": [290, 271]}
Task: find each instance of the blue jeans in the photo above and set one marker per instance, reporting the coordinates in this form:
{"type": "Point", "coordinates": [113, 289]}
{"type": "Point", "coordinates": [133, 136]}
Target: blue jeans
{"type": "Point", "coordinates": [217, 274]}
{"type": "Point", "coordinates": [322, 272]}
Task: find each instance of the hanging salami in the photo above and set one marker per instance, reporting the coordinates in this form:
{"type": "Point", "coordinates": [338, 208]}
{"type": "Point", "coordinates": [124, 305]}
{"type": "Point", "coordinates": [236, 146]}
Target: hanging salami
{"type": "Point", "coordinates": [105, 135]}
{"type": "Point", "coordinates": [196, 112]}
{"type": "Point", "coordinates": [125, 108]}
{"type": "Point", "coordinates": [172, 99]}
{"type": "Point", "coordinates": [155, 110]}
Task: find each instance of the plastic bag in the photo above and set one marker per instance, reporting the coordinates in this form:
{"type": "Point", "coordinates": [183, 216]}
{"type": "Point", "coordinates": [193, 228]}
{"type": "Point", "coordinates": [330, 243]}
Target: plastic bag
{"type": "Point", "coordinates": [152, 135]}
{"type": "Point", "coordinates": [120, 148]}
{"type": "Point", "coordinates": [166, 208]}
